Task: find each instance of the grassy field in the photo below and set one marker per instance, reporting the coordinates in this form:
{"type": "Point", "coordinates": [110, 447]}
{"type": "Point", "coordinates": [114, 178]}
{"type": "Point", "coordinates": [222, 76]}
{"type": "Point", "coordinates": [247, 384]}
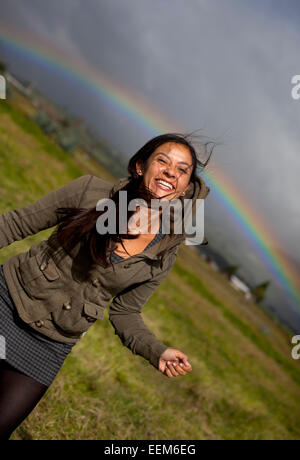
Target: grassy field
{"type": "Point", "coordinates": [244, 383]}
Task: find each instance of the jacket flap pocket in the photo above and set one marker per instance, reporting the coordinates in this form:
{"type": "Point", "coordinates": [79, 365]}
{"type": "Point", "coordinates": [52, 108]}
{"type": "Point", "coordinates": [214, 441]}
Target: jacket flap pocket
{"type": "Point", "coordinates": [29, 270]}
{"type": "Point", "coordinates": [48, 268]}
{"type": "Point", "coordinates": [93, 310]}
{"type": "Point", "coordinates": [51, 272]}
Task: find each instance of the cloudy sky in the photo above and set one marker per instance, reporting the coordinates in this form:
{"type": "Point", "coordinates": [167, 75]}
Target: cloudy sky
{"type": "Point", "coordinates": [222, 66]}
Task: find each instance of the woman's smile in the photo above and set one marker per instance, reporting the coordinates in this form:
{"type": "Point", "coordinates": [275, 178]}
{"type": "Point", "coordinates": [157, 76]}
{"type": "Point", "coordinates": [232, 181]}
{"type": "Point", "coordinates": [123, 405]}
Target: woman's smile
{"type": "Point", "coordinates": [164, 185]}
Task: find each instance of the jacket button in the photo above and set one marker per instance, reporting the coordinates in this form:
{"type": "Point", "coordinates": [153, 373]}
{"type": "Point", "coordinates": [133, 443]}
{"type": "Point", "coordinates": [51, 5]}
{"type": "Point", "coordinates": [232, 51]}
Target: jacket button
{"type": "Point", "coordinates": [43, 266]}
{"type": "Point", "coordinates": [95, 283]}
{"type": "Point", "coordinates": [126, 266]}
{"type": "Point", "coordinates": [67, 306]}
{"type": "Point", "coordinates": [39, 323]}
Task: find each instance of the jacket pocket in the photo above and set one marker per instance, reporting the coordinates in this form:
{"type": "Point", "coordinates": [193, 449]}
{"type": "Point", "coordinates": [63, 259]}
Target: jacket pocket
{"type": "Point", "coordinates": [34, 268]}
{"type": "Point", "coordinates": [48, 268]}
{"type": "Point", "coordinates": [93, 311]}
{"type": "Point", "coordinates": [29, 270]}
{"type": "Point", "coordinates": [74, 317]}
{"type": "Point", "coordinates": [40, 281]}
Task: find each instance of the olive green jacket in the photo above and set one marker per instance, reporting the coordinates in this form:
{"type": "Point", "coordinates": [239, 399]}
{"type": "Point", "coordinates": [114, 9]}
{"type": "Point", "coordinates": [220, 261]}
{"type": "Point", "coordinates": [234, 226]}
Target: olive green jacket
{"type": "Point", "coordinates": [62, 294]}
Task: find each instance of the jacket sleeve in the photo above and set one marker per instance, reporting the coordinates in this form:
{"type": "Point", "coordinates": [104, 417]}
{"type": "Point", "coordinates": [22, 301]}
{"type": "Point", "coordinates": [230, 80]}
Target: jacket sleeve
{"type": "Point", "coordinates": [125, 316]}
{"type": "Point", "coordinates": [19, 223]}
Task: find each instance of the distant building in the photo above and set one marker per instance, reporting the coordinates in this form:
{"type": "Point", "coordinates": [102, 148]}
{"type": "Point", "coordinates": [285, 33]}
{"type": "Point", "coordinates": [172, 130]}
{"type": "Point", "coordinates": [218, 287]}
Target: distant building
{"type": "Point", "coordinates": [239, 285]}
{"type": "Point", "coordinates": [2, 87]}
{"type": "Point", "coordinates": [25, 90]}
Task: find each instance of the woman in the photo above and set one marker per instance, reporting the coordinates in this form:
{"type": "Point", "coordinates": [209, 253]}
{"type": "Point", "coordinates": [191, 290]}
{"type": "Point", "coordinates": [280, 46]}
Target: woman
{"type": "Point", "coordinates": [52, 294]}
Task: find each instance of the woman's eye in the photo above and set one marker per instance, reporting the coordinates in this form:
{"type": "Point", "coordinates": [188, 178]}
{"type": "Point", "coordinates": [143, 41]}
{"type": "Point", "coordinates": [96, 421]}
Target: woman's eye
{"type": "Point", "coordinates": [183, 171]}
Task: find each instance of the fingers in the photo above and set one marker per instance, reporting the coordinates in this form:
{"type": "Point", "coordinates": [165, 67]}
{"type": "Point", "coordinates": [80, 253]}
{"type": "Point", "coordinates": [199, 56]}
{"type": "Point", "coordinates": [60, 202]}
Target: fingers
{"type": "Point", "coordinates": [173, 369]}
{"type": "Point", "coordinates": [181, 365]}
{"type": "Point", "coordinates": [187, 368]}
{"type": "Point", "coordinates": [168, 373]}
{"type": "Point", "coordinates": [182, 358]}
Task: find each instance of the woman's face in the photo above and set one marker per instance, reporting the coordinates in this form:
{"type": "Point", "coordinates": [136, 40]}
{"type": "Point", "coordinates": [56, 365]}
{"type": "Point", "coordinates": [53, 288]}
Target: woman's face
{"type": "Point", "coordinates": [168, 170]}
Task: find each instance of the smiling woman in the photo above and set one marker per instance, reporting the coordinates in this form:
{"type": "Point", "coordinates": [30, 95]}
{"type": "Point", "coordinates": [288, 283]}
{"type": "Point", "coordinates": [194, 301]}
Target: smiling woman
{"type": "Point", "coordinates": [170, 158]}
{"type": "Point", "coordinates": [52, 294]}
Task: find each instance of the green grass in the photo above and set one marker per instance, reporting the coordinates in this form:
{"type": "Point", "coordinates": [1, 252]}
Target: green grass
{"type": "Point", "coordinates": [244, 328]}
{"type": "Point", "coordinates": [244, 384]}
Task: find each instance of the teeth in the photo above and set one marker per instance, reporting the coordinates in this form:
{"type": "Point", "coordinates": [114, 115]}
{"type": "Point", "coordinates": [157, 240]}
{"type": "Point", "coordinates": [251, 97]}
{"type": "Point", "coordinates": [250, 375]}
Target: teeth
{"type": "Point", "coordinates": [165, 184]}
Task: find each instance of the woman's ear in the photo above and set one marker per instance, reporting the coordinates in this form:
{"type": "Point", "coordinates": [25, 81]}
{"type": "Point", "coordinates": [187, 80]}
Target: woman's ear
{"type": "Point", "coordinates": [139, 168]}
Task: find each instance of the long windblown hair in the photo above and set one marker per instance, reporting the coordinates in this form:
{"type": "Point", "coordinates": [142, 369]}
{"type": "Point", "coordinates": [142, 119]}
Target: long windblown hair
{"type": "Point", "coordinates": [78, 225]}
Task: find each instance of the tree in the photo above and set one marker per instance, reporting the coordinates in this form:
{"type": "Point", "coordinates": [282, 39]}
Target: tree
{"type": "Point", "coordinates": [3, 67]}
{"type": "Point", "coordinates": [230, 270]}
{"type": "Point", "coordinates": [259, 291]}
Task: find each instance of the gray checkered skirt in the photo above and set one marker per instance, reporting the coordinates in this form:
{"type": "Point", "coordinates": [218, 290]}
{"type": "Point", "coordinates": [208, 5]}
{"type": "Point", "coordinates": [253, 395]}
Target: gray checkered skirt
{"type": "Point", "coordinates": [32, 353]}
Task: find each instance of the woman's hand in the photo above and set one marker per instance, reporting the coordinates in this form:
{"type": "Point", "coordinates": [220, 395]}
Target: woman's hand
{"type": "Point", "coordinates": [173, 363]}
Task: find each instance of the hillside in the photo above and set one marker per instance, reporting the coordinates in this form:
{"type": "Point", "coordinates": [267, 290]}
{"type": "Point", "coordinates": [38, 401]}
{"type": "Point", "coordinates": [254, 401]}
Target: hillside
{"type": "Point", "coordinates": [244, 383]}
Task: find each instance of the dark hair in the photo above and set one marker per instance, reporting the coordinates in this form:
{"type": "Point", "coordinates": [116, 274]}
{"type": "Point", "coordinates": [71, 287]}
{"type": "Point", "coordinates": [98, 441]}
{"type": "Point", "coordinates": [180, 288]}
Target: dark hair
{"type": "Point", "coordinates": [78, 225]}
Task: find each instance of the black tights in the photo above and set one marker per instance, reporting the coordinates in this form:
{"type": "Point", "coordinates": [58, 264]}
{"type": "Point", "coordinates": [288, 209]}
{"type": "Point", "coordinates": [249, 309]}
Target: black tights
{"type": "Point", "coordinates": [19, 394]}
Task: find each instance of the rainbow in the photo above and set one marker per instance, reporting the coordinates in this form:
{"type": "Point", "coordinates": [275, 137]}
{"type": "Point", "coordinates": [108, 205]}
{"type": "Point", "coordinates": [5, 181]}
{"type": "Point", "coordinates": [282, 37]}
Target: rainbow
{"type": "Point", "coordinates": [142, 114]}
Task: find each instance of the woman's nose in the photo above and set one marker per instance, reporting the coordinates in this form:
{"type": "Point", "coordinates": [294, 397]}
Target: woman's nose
{"type": "Point", "coordinates": [170, 172]}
